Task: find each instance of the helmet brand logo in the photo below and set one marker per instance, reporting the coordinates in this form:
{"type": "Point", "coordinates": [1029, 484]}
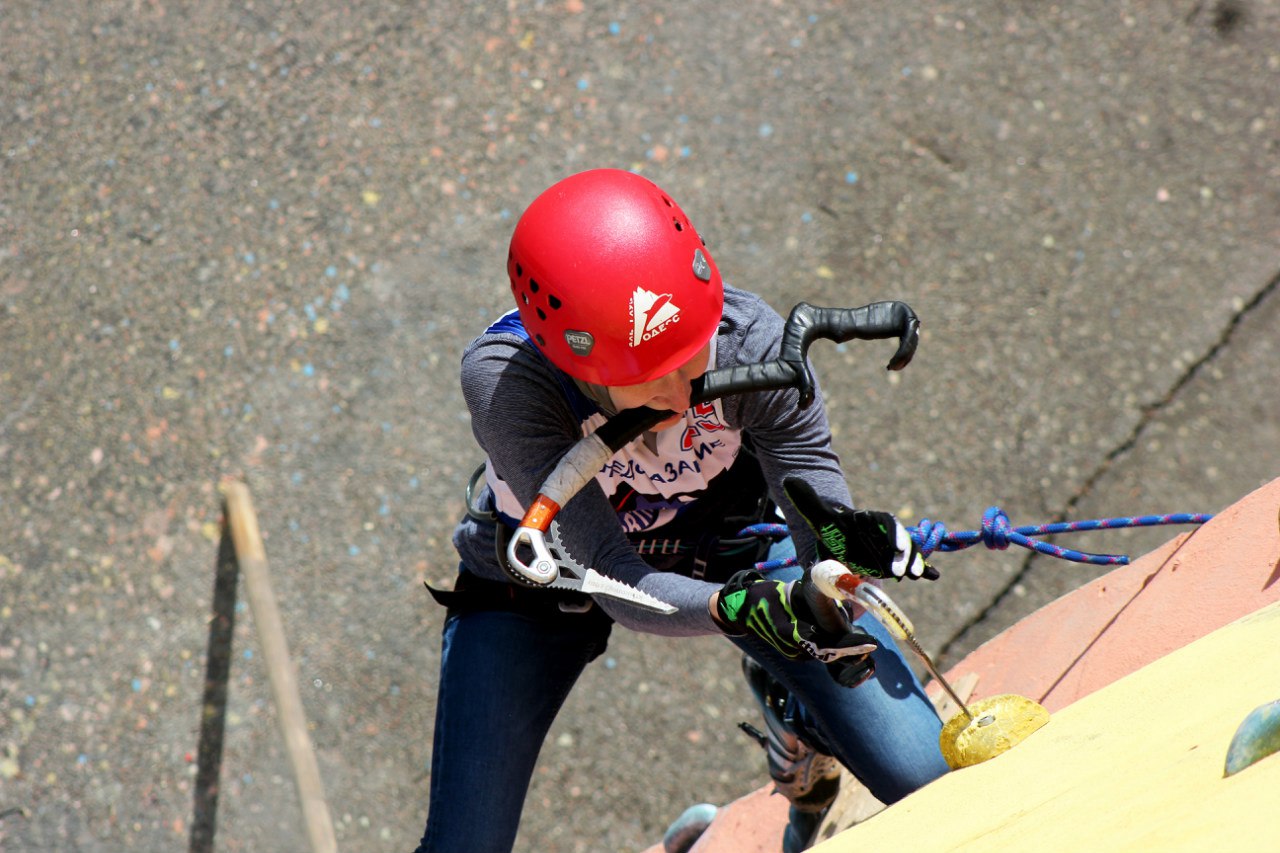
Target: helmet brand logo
{"type": "Point", "coordinates": [580, 342]}
{"type": "Point", "coordinates": [651, 314]}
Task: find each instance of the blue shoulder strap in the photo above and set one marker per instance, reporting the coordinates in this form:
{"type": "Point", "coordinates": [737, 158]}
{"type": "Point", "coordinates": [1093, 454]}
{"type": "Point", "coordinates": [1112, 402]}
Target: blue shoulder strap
{"type": "Point", "coordinates": [511, 324]}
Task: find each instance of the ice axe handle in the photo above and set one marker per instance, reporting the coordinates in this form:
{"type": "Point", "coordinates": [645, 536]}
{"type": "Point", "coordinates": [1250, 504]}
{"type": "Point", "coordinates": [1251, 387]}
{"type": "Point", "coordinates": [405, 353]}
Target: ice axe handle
{"type": "Point", "coordinates": [832, 618]}
{"type": "Point", "coordinates": [832, 579]}
{"type": "Point", "coordinates": [870, 322]}
{"type": "Point", "coordinates": [826, 611]}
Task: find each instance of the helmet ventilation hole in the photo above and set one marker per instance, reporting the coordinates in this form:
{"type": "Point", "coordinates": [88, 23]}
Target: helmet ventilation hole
{"type": "Point", "coordinates": [541, 341]}
{"type": "Point", "coordinates": [533, 285]}
{"type": "Point", "coordinates": [677, 224]}
{"type": "Point", "coordinates": [553, 302]}
{"type": "Point", "coordinates": [524, 297]}
{"type": "Point", "coordinates": [542, 315]}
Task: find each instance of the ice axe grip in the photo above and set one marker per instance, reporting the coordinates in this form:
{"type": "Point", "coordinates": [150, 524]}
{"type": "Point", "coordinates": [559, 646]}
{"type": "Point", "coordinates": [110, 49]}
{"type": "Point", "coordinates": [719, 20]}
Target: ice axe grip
{"type": "Point", "coordinates": [876, 321]}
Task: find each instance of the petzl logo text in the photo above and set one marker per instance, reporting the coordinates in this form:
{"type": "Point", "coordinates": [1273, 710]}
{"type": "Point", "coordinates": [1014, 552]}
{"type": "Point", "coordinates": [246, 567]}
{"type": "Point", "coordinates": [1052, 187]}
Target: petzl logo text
{"type": "Point", "coordinates": [580, 342]}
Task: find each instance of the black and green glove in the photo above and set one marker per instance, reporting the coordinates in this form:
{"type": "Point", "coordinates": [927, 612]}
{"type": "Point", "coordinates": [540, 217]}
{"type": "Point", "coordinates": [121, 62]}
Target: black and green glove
{"type": "Point", "coordinates": [870, 543]}
{"type": "Point", "coordinates": [777, 613]}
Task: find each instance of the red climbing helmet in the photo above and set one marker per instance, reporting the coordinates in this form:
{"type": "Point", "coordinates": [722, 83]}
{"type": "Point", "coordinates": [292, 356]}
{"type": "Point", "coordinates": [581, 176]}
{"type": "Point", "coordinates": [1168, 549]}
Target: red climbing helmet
{"type": "Point", "coordinates": [611, 280]}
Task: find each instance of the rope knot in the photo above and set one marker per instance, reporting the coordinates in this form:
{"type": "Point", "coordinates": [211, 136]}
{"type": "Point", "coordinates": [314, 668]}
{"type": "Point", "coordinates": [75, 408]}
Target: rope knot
{"type": "Point", "coordinates": [929, 535]}
{"type": "Point", "coordinates": [996, 529]}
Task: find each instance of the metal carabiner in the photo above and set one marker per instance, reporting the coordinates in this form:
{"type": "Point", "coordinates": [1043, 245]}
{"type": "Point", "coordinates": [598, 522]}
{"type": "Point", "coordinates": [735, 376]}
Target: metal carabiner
{"type": "Point", "coordinates": [484, 515]}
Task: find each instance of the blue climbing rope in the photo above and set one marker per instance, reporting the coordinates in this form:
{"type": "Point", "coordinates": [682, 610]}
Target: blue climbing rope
{"type": "Point", "coordinates": [998, 534]}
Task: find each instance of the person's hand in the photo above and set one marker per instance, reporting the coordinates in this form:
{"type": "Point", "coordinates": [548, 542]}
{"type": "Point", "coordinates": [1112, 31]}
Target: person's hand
{"type": "Point", "coordinates": [870, 543]}
{"type": "Point", "coordinates": [777, 613]}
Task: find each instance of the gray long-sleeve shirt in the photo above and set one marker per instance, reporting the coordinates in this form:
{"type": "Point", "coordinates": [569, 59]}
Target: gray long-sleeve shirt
{"type": "Point", "coordinates": [525, 414]}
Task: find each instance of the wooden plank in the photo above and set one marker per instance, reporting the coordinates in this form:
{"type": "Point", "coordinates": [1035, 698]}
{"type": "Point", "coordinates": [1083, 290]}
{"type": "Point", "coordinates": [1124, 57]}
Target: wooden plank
{"type": "Point", "coordinates": [252, 557]}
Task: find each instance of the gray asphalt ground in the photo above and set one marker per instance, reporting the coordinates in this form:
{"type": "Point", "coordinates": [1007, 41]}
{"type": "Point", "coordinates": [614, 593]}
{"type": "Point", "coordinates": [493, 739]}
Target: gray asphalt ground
{"type": "Point", "coordinates": [250, 240]}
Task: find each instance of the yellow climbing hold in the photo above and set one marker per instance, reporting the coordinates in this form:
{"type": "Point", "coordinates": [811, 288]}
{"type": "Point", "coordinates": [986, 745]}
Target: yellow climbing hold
{"type": "Point", "coordinates": [999, 723]}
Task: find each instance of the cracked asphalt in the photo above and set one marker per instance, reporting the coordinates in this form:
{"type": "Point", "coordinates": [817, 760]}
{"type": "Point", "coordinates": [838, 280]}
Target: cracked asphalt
{"type": "Point", "coordinates": [250, 239]}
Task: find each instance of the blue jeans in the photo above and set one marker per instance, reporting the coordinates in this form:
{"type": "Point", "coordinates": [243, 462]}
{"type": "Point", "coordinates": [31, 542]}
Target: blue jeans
{"type": "Point", "coordinates": [503, 678]}
{"type": "Point", "coordinates": [505, 675]}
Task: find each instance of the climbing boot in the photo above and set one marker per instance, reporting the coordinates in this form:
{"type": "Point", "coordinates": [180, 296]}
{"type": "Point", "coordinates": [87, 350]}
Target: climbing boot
{"type": "Point", "coordinates": [809, 779]}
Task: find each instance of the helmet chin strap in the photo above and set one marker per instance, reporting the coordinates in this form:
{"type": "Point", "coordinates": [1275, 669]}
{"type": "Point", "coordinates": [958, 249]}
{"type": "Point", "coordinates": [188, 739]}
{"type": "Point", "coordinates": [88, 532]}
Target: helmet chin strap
{"type": "Point", "coordinates": [598, 394]}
